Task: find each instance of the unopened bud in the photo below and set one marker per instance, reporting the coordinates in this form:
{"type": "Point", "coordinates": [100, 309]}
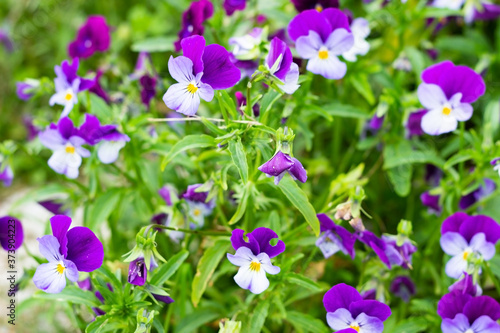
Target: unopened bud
{"type": "Point", "coordinates": [357, 224]}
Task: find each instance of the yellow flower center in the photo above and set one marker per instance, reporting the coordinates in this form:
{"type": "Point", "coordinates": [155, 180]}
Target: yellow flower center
{"type": "Point", "coordinates": [197, 212]}
{"type": "Point", "coordinates": [192, 88]}
{"type": "Point", "coordinates": [319, 8]}
{"type": "Point", "coordinates": [70, 149]}
{"type": "Point", "coordinates": [60, 268]}
{"type": "Point", "coordinates": [68, 97]}
{"type": "Point", "coordinates": [466, 254]}
{"type": "Point", "coordinates": [255, 266]}
{"type": "Point", "coordinates": [323, 54]}
{"type": "Point", "coordinates": [446, 111]}
{"type": "Point", "coordinates": [355, 327]}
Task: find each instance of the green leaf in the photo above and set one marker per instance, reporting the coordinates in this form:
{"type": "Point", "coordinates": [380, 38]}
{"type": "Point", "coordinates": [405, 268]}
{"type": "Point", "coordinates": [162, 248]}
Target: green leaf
{"type": "Point", "coordinates": [165, 271]}
{"type": "Point", "coordinates": [345, 111]}
{"type": "Point", "coordinates": [228, 103]}
{"type": "Point", "coordinates": [458, 158]}
{"type": "Point", "coordinates": [400, 178]}
{"type": "Point", "coordinates": [72, 294]}
{"type": "Point", "coordinates": [191, 322]}
{"type": "Point", "coordinates": [242, 206]}
{"type": "Point", "coordinates": [306, 323]}
{"type": "Point", "coordinates": [303, 281]}
{"type": "Point", "coordinates": [155, 44]}
{"type": "Point", "coordinates": [99, 108]}
{"type": "Point", "coordinates": [299, 199]}
{"type": "Point", "coordinates": [402, 153]}
{"type": "Point", "coordinates": [412, 325]}
{"type": "Point", "coordinates": [258, 318]}
{"type": "Point", "coordinates": [206, 268]}
{"type": "Point", "coordinates": [239, 158]}
{"type": "Point", "coordinates": [102, 208]}
{"type": "Point", "coordinates": [188, 142]}
{"type": "Point", "coordinates": [268, 100]}
{"type": "Point", "coordinates": [361, 84]}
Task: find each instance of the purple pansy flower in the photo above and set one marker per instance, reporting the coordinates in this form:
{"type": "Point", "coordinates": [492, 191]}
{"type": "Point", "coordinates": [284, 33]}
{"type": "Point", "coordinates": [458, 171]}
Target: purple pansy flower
{"type": "Point", "coordinates": [466, 285]}
{"type": "Point", "coordinates": [230, 6]}
{"type": "Point", "coordinates": [66, 143]}
{"type": "Point", "coordinates": [68, 252]}
{"type": "Point", "coordinates": [137, 272]}
{"type": "Point", "coordinates": [360, 29]}
{"type": "Point", "coordinates": [201, 70]}
{"type": "Point", "coordinates": [68, 84]}
{"type": "Point", "coordinates": [334, 238]}
{"type": "Point", "coordinates": [414, 123]}
{"type": "Point", "coordinates": [30, 128]}
{"type": "Point", "coordinates": [93, 36]}
{"type": "Point", "coordinates": [198, 205]}
{"type": "Point", "coordinates": [463, 313]}
{"type": "Point", "coordinates": [387, 252]}
{"type": "Point", "coordinates": [402, 245]}
{"type": "Point", "coordinates": [109, 138]}
{"type": "Point", "coordinates": [321, 38]}
{"type": "Point", "coordinates": [254, 258]}
{"type": "Point", "coordinates": [6, 41]}
{"type": "Point", "coordinates": [481, 11]}
{"type": "Point", "coordinates": [348, 312]}
{"type": "Point", "coordinates": [319, 5]}
{"type": "Point", "coordinates": [280, 63]}
{"type": "Point", "coordinates": [431, 201]}
{"type": "Point", "coordinates": [11, 233]}
{"type": "Point", "coordinates": [447, 92]}
{"type": "Point", "coordinates": [148, 89]}
{"type": "Point", "coordinates": [26, 89]}
{"type": "Point", "coordinates": [282, 163]}
{"type": "Point", "coordinates": [192, 20]}
{"type": "Point", "coordinates": [403, 287]}
{"type": "Point", "coordinates": [466, 238]}
{"type": "Point", "coordinates": [375, 123]}
{"type": "Point", "coordinates": [55, 207]}
{"type": "Point", "coordinates": [6, 174]}
{"type": "Point", "coordinates": [482, 191]}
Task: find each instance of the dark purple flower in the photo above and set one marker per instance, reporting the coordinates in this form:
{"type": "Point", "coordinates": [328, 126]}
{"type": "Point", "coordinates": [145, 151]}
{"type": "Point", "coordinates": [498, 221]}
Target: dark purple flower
{"type": "Point", "coordinates": [370, 294]}
{"type": "Point", "coordinates": [319, 5]}
{"type": "Point", "coordinates": [93, 36]}
{"type": "Point", "coordinates": [55, 207]}
{"type": "Point", "coordinates": [403, 287]}
{"type": "Point", "coordinates": [466, 285]}
{"type": "Point", "coordinates": [32, 130]}
{"type": "Point", "coordinates": [167, 191]}
{"type": "Point", "coordinates": [192, 20]}
{"type": "Point", "coordinates": [482, 191]}
{"type": "Point", "coordinates": [375, 124]}
{"type": "Point", "coordinates": [137, 272]}
{"type": "Point", "coordinates": [282, 163]}
{"type": "Point", "coordinates": [98, 89]}
{"type": "Point", "coordinates": [334, 238]}
{"type": "Point", "coordinates": [164, 299]}
{"type": "Point", "coordinates": [199, 71]}
{"type": "Point", "coordinates": [433, 175]}
{"type": "Point", "coordinates": [433, 53]}
{"type": "Point", "coordinates": [468, 237]}
{"type": "Point", "coordinates": [258, 241]}
{"type": "Point", "coordinates": [6, 174]}
{"type": "Point", "coordinates": [148, 89]}
{"type": "Point", "coordinates": [406, 249]}
{"type": "Point", "coordinates": [280, 62]}
{"type": "Point", "coordinates": [447, 92]}
{"type": "Point", "coordinates": [25, 90]}
{"type": "Point", "coordinates": [321, 38]}
{"type": "Point", "coordinates": [431, 201]}
{"type": "Point", "coordinates": [230, 6]}
{"type": "Point", "coordinates": [11, 233]}
{"type": "Point", "coordinates": [68, 253]}
{"type": "Point", "coordinates": [192, 195]}
{"type": "Point", "coordinates": [85, 284]}
{"type": "Point", "coordinates": [482, 11]}
{"type": "Point", "coordinates": [387, 253]}
{"type": "Point", "coordinates": [346, 310]}
{"type": "Point", "coordinates": [6, 41]}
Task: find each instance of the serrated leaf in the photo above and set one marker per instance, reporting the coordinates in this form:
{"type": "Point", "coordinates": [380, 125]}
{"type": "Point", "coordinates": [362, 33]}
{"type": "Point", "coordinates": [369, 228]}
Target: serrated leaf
{"type": "Point", "coordinates": [188, 142]}
{"type": "Point", "coordinates": [239, 157]}
{"type": "Point", "coordinates": [165, 271]}
{"type": "Point", "coordinates": [206, 267]}
{"type": "Point", "coordinates": [72, 294]}
{"type": "Point", "coordinates": [306, 323]}
{"type": "Point", "coordinates": [299, 199]}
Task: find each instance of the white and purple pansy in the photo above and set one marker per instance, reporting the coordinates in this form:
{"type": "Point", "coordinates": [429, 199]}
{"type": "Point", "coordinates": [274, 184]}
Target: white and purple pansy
{"type": "Point", "coordinates": [280, 63]}
{"type": "Point", "coordinates": [468, 238]}
{"type": "Point", "coordinates": [68, 84]}
{"type": "Point", "coordinates": [199, 71]}
{"type": "Point", "coordinates": [463, 313]}
{"type": "Point", "coordinates": [347, 311]}
{"type": "Point", "coordinates": [66, 143]}
{"type": "Point", "coordinates": [334, 238]}
{"type": "Point", "coordinates": [360, 29]}
{"type": "Point", "coordinates": [321, 38]}
{"type": "Point", "coordinates": [254, 258]}
{"type": "Point", "coordinates": [282, 163]}
{"type": "Point", "coordinates": [68, 252]}
{"type": "Point", "coordinates": [386, 251]}
{"type": "Point", "coordinates": [447, 92]}
{"type": "Point", "coordinates": [198, 207]}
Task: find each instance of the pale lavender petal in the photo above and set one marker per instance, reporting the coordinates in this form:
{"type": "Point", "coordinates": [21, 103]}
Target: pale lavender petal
{"type": "Point", "coordinates": [485, 324]}
{"type": "Point", "coordinates": [459, 324]}
{"type": "Point", "coordinates": [181, 69]}
{"type": "Point", "coordinates": [431, 96]}
{"type": "Point", "coordinates": [48, 279]}
{"type": "Point", "coordinates": [109, 151]}
{"type": "Point", "coordinates": [266, 264]}
{"type": "Point", "coordinates": [179, 99]}
{"type": "Point", "coordinates": [453, 243]}
{"type": "Point", "coordinates": [52, 139]}
{"type": "Point", "coordinates": [206, 92]}
{"type": "Point", "coordinates": [370, 324]}
{"type": "Point", "coordinates": [339, 41]}
{"type": "Point", "coordinates": [463, 112]}
{"type": "Point", "coordinates": [339, 319]}
{"type": "Point", "coordinates": [479, 244]}
{"type": "Point", "coordinates": [242, 257]}
{"type": "Point", "coordinates": [291, 80]}
{"type": "Point", "coordinates": [456, 266]}
{"type": "Point", "coordinates": [49, 248]}
{"type": "Point", "coordinates": [309, 45]}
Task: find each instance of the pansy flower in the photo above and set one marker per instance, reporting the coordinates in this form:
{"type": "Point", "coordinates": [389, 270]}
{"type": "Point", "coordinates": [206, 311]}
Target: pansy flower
{"type": "Point", "coordinates": [431, 201]}
{"type": "Point", "coordinates": [11, 233]}
{"type": "Point", "coordinates": [414, 123]}
{"type": "Point", "coordinates": [282, 163]}
{"type": "Point", "coordinates": [98, 89]}
{"type": "Point", "coordinates": [467, 238]}
{"type": "Point", "coordinates": [334, 238]}
{"type": "Point", "coordinates": [230, 6]}
{"type": "Point", "coordinates": [68, 252]}
{"type": "Point", "coordinates": [466, 285]}
{"type": "Point", "coordinates": [56, 207]}
{"type": "Point", "coordinates": [193, 19]}
{"type": "Point", "coordinates": [6, 40]}
{"type": "Point", "coordinates": [93, 36]}
{"type": "Point", "coordinates": [496, 164]}
{"type": "Point", "coordinates": [198, 207]}
{"type": "Point", "coordinates": [247, 47]}
{"type": "Point", "coordinates": [480, 10]}
{"type": "Point", "coordinates": [360, 29]}
{"type": "Point", "coordinates": [110, 140]}
{"type": "Point", "coordinates": [138, 271]}
{"type": "Point", "coordinates": [463, 313]}
{"type": "Point", "coordinates": [386, 251]}
{"type": "Point", "coordinates": [403, 245]}
{"type": "Point", "coordinates": [66, 143]}
{"type": "Point", "coordinates": [254, 258]}
{"type": "Point", "coordinates": [447, 92]}
{"type": "Point", "coordinates": [403, 287]}
{"type": "Point", "coordinates": [449, 4]}
{"type": "Point", "coordinates": [6, 174]}
{"type": "Point", "coordinates": [321, 38]}
{"type": "Point", "coordinates": [486, 188]}
{"type": "Point", "coordinates": [347, 311]}
{"type": "Point", "coordinates": [145, 73]}
{"type": "Point", "coordinates": [279, 62]}
{"type": "Point", "coordinates": [68, 84]}
{"type": "Point", "coordinates": [201, 70]}
{"type": "Point", "coordinates": [319, 5]}
{"type": "Point", "coordinates": [26, 89]}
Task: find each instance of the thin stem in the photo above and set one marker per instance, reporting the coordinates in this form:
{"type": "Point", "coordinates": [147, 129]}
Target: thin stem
{"type": "Point", "coordinates": [197, 232]}
{"type": "Point", "coordinates": [215, 120]}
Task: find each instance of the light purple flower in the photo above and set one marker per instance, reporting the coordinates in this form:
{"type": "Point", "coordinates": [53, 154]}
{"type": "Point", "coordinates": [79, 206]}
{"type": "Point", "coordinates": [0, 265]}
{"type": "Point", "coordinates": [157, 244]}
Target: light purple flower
{"type": "Point", "coordinates": [26, 89]}
{"type": "Point", "coordinates": [6, 41]}
{"type": "Point", "coordinates": [376, 122]}
{"type": "Point", "coordinates": [403, 246]}
{"type": "Point", "coordinates": [193, 19]}
{"type": "Point", "coordinates": [230, 6]}
{"type": "Point", "coordinates": [93, 36]}
{"type": "Point", "coordinates": [487, 187]}
{"type": "Point", "coordinates": [466, 238]}
{"type": "Point", "coordinates": [431, 201]}
{"type": "Point", "coordinates": [447, 92]}
{"type": "Point", "coordinates": [321, 38]}
{"type": "Point", "coordinates": [282, 163]}
{"type": "Point", "coordinates": [11, 233]}
{"type": "Point", "coordinates": [137, 272]}
{"type": "Point", "coordinates": [403, 287]}
{"type": "Point", "coordinates": [66, 143]}
{"type": "Point", "coordinates": [68, 252]}
{"type": "Point", "coordinates": [346, 310]}
{"type": "Point", "coordinates": [449, 4]}
{"type": "Point", "coordinates": [319, 5]}
{"type": "Point", "coordinates": [360, 29]}
{"type": "Point", "coordinates": [253, 258]}
{"type": "Point", "coordinates": [6, 174]}
{"type": "Point", "coordinates": [387, 252]}
{"type": "Point", "coordinates": [201, 70]}
{"type": "Point", "coordinates": [247, 47]}
{"type": "Point", "coordinates": [481, 11]}
{"type": "Point", "coordinates": [334, 238]}
{"type": "Point", "coordinates": [280, 63]}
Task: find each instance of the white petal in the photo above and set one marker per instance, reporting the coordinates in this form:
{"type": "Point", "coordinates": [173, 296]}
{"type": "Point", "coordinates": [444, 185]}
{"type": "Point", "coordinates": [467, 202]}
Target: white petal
{"type": "Point", "coordinates": [179, 99]}
{"type": "Point", "coordinates": [108, 151]}
{"type": "Point", "coordinates": [242, 257]}
{"type": "Point", "coordinates": [456, 266]}
{"type": "Point", "coordinates": [479, 244]}
{"type": "Point", "coordinates": [206, 92]}
{"type": "Point", "coordinates": [263, 258]}
{"type": "Point", "coordinates": [255, 281]}
{"type": "Point", "coordinates": [308, 46]}
{"type": "Point", "coordinates": [340, 319]}
{"type": "Point", "coordinates": [181, 69]}
{"type": "Point", "coordinates": [330, 68]}
{"type": "Point", "coordinates": [431, 96]}
{"type": "Point", "coordinates": [339, 41]}
{"type": "Point", "coordinates": [463, 112]}
{"type": "Point", "coordinates": [291, 79]}
{"type": "Point", "coordinates": [48, 279]}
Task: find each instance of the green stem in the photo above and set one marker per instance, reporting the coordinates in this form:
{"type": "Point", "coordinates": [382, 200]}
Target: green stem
{"type": "Point", "coordinates": [196, 232]}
